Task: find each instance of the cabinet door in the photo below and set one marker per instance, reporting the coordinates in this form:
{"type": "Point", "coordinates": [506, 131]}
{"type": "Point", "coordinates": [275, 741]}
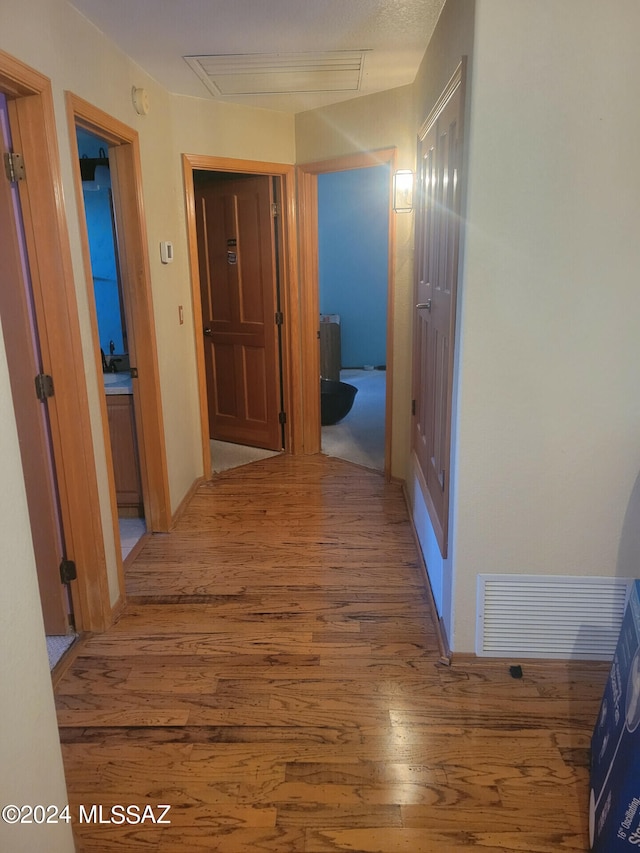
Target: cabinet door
{"type": "Point", "coordinates": [124, 450]}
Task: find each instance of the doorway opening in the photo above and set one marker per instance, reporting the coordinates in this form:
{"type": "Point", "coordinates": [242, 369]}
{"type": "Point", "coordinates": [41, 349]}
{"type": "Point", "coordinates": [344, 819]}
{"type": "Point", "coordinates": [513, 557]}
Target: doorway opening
{"type": "Point", "coordinates": [138, 413]}
{"type": "Point", "coordinates": [244, 271]}
{"type": "Point", "coordinates": [237, 231]}
{"type": "Point", "coordinates": [311, 179]}
{"type": "Point", "coordinates": [109, 301]}
{"type": "Point", "coordinates": [353, 264]}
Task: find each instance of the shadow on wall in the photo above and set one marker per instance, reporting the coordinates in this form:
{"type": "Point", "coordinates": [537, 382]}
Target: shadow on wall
{"type": "Point", "coordinates": [628, 564]}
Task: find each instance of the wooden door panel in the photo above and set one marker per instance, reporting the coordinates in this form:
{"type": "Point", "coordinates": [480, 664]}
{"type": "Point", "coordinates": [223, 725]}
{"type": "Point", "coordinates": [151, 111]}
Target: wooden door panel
{"type": "Point", "coordinates": [238, 282]}
{"type": "Point", "coordinates": [255, 379]}
{"type": "Point", "coordinates": [225, 399]}
{"type": "Point", "coordinates": [437, 250]}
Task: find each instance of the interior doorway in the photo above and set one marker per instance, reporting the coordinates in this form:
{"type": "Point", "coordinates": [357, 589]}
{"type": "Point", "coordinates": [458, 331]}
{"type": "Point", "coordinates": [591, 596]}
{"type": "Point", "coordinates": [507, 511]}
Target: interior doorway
{"type": "Point", "coordinates": [30, 403]}
{"type": "Point", "coordinates": [140, 415]}
{"type": "Point", "coordinates": [239, 272]}
{"type": "Point", "coordinates": [109, 302]}
{"type": "Point", "coordinates": [285, 329]}
{"type": "Point", "coordinates": [309, 179]}
{"type": "Point", "coordinates": [30, 109]}
{"type": "Point", "coordinates": [353, 265]}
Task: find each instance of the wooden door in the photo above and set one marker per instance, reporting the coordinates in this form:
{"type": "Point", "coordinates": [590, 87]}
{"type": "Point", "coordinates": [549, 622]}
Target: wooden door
{"type": "Point", "coordinates": [23, 357]}
{"type": "Point", "coordinates": [437, 247]}
{"type": "Point", "coordinates": [236, 258]}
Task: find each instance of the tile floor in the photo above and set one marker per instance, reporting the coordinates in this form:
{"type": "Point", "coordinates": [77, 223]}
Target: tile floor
{"type": "Point", "coordinates": [131, 530]}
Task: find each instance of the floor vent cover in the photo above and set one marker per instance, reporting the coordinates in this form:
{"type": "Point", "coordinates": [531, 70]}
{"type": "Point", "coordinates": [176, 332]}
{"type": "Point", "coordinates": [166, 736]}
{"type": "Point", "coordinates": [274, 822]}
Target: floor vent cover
{"type": "Point", "coordinates": [538, 616]}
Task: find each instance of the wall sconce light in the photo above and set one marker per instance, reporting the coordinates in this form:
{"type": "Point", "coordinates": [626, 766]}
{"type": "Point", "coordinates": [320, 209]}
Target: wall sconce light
{"type": "Point", "coordinates": [403, 191]}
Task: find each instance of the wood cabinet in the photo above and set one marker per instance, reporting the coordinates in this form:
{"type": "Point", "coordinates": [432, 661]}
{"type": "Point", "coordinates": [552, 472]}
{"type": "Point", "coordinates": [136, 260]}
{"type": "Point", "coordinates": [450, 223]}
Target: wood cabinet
{"type": "Point", "coordinates": [330, 355]}
{"type": "Point", "coordinates": [124, 451]}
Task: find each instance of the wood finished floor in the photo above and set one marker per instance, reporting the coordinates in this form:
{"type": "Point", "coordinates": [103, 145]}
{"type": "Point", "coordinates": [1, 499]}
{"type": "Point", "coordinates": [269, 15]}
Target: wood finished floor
{"type": "Point", "coordinates": [275, 678]}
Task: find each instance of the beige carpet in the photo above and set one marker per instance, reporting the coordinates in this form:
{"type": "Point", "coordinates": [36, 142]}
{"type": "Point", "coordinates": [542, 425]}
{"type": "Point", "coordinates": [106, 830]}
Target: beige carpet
{"type": "Point", "coordinates": [359, 437]}
{"type": "Point", "coordinates": [225, 455]}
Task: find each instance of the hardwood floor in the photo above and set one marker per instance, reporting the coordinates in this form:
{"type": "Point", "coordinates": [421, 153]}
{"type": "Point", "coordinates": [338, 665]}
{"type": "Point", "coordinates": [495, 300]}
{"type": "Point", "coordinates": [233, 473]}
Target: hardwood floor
{"type": "Point", "coordinates": [275, 679]}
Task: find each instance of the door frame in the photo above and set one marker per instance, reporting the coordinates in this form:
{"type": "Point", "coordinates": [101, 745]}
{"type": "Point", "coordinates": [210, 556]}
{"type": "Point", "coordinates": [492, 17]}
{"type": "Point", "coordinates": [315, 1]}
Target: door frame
{"type": "Point", "coordinates": [291, 343]}
{"type": "Point", "coordinates": [33, 128]}
{"type": "Point", "coordinates": [126, 178]}
{"type": "Point", "coordinates": [310, 292]}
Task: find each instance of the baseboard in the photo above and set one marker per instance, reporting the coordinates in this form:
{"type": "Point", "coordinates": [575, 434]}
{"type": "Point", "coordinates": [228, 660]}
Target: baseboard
{"type": "Point", "coordinates": [184, 503]}
{"type": "Point", "coordinates": [118, 608]}
{"type": "Point", "coordinates": [443, 640]}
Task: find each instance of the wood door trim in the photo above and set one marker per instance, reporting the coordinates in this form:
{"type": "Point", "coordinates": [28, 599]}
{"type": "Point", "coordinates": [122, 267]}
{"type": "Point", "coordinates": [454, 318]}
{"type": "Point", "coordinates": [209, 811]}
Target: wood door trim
{"type": "Point", "coordinates": [288, 293]}
{"type": "Point", "coordinates": [134, 264]}
{"type": "Point", "coordinates": [309, 292]}
{"type": "Point", "coordinates": [30, 103]}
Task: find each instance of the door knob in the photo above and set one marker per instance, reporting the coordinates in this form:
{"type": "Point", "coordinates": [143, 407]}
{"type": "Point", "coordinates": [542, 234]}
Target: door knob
{"type": "Point", "coordinates": [426, 305]}
{"type": "Point", "coordinates": [207, 331]}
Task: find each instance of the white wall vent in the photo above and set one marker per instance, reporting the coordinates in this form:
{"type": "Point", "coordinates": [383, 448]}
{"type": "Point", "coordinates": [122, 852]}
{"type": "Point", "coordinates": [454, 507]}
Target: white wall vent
{"type": "Point", "coordinates": [536, 616]}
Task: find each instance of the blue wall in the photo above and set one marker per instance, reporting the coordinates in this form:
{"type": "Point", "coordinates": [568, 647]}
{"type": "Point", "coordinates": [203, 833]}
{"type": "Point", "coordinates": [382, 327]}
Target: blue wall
{"type": "Point", "coordinates": [97, 205]}
{"type": "Point", "coordinates": [353, 229]}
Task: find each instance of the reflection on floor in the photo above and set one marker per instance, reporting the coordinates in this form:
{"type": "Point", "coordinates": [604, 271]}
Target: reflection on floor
{"type": "Point", "coordinates": [360, 436]}
{"type": "Point", "coordinates": [225, 455]}
{"type": "Point", "coordinates": [131, 531]}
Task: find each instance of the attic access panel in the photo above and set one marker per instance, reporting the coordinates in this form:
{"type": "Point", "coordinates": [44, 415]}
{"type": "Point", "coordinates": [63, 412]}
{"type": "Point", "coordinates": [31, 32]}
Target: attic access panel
{"type": "Point", "coordinates": [270, 74]}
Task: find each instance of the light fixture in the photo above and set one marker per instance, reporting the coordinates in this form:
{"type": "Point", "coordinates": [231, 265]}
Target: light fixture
{"type": "Point", "coordinates": [403, 191]}
{"type": "Point", "coordinates": [140, 98]}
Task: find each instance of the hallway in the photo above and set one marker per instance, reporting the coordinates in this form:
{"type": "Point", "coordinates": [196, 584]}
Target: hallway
{"type": "Point", "coordinates": [276, 680]}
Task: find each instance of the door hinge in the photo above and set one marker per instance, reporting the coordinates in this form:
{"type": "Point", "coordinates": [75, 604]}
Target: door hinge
{"type": "Point", "coordinates": [413, 407]}
{"type": "Point", "coordinates": [14, 166]}
{"type": "Point", "coordinates": [68, 571]}
{"type": "Point", "coordinates": [279, 318]}
{"type": "Point", "coordinates": [282, 418]}
{"type": "Point", "coordinates": [44, 386]}
{"type": "Point", "coordinates": [275, 208]}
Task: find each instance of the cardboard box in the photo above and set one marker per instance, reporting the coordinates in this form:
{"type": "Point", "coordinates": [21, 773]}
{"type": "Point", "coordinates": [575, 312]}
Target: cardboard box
{"type": "Point", "coordinates": [614, 808]}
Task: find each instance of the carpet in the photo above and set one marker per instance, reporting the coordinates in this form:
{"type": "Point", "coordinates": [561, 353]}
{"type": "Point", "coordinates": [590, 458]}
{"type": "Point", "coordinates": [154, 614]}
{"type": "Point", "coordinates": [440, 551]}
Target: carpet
{"type": "Point", "coordinates": [225, 455]}
{"type": "Point", "coordinates": [359, 437]}
{"type": "Point", "coordinates": [57, 646]}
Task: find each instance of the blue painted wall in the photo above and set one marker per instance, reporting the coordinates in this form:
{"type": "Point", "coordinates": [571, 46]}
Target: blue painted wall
{"type": "Point", "coordinates": [353, 227]}
{"type": "Point", "coordinates": [97, 205]}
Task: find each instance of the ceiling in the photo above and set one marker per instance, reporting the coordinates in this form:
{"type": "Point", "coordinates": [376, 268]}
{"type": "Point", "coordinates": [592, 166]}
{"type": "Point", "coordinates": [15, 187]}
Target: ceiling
{"type": "Point", "coordinates": [287, 55]}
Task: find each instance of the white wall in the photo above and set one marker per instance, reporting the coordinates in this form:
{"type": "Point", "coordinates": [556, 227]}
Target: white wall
{"type": "Point", "coordinates": [548, 423]}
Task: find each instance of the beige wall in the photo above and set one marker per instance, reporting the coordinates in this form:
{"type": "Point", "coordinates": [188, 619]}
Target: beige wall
{"type": "Point", "coordinates": [30, 751]}
{"type": "Point", "coordinates": [549, 403]}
